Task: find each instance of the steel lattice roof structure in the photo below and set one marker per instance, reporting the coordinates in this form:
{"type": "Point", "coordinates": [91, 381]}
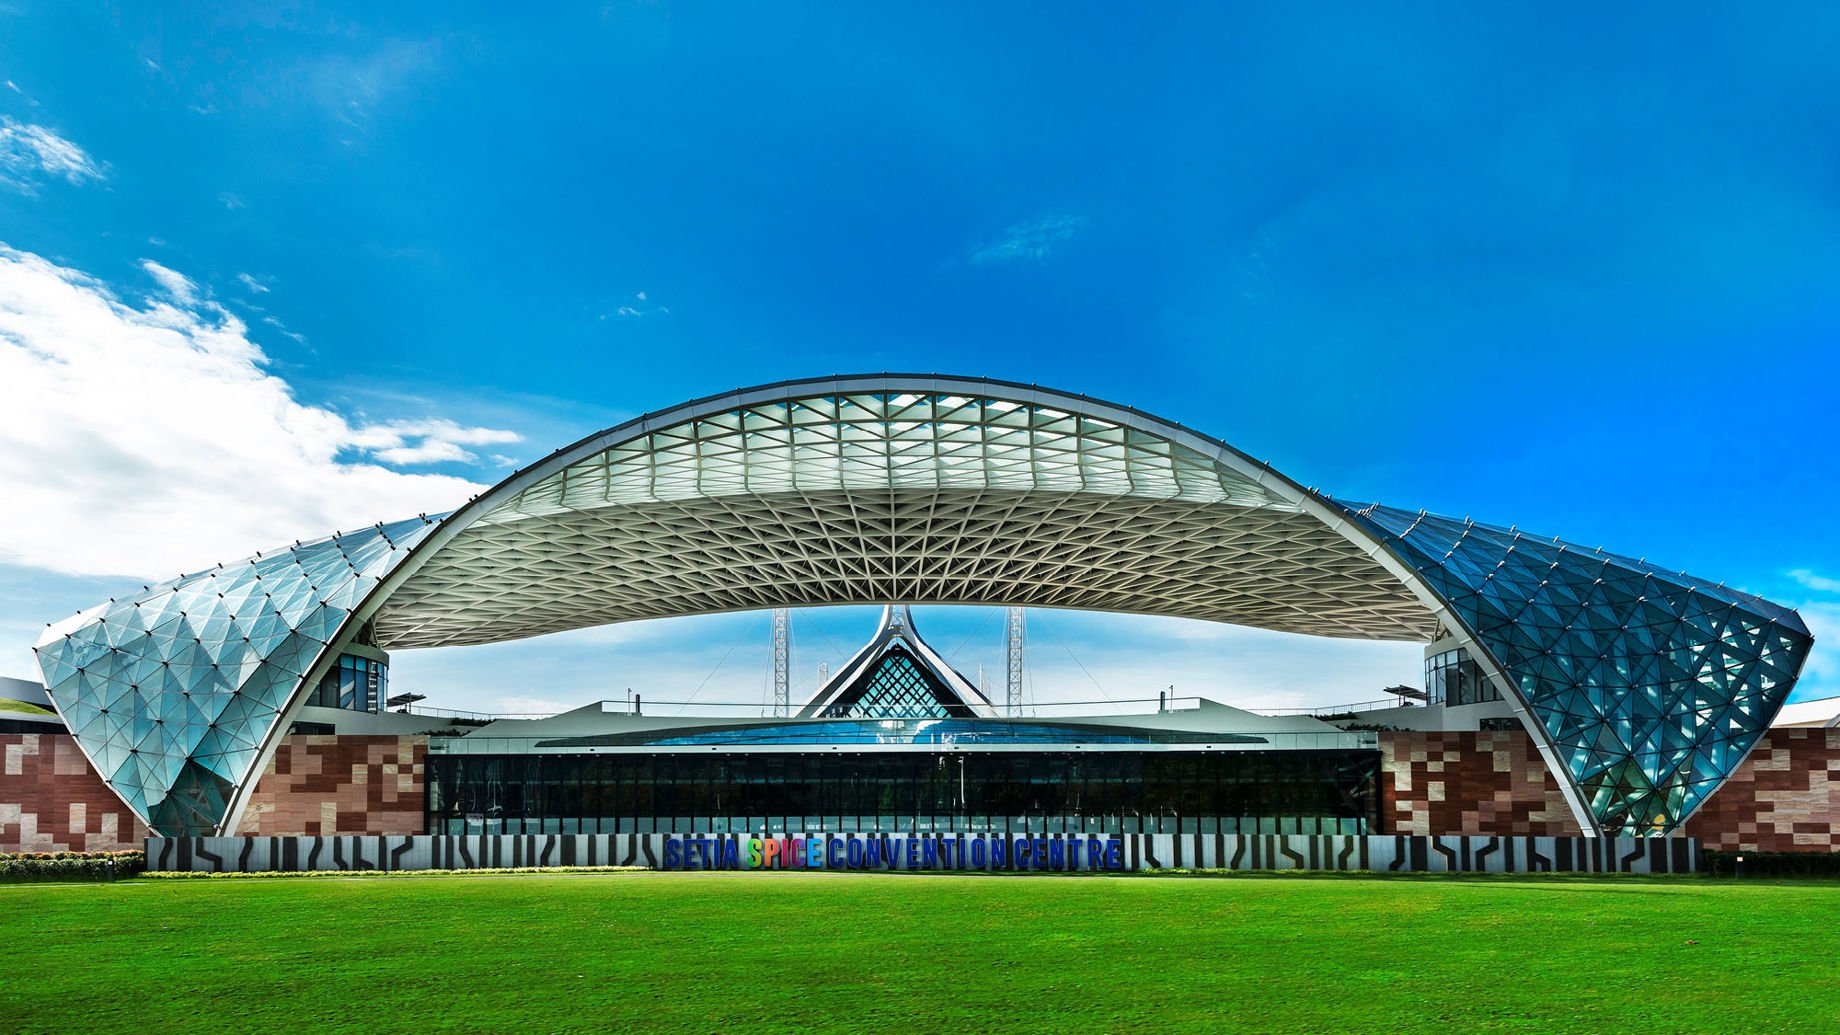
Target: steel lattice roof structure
{"type": "Point", "coordinates": [1644, 689]}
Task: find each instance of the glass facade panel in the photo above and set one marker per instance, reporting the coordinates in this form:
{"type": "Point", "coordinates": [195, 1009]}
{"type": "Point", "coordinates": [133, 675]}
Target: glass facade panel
{"type": "Point", "coordinates": [354, 683]}
{"type": "Point", "coordinates": [1452, 677]}
{"type": "Point", "coordinates": [1650, 685]}
{"type": "Point", "coordinates": [1229, 792]}
{"type": "Point", "coordinates": [898, 687]}
{"type": "Point", "coordinates": [171, 692]}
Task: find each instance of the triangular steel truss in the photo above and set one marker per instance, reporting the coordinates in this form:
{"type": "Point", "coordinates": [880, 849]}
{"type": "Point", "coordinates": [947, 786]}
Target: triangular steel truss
{"type": "Point", "coordinates": [897, 675]}
{"type": "Point", "coordinates": [1643, 689]}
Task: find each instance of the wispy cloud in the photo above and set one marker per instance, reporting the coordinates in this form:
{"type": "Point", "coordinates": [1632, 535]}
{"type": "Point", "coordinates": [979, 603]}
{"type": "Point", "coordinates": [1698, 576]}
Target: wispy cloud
{"type": "Point", "coordinates": [181, 287]}
{"type": "Point", "coordinates": [406, 442]}
{"type": "Point", "coordinates": [1032, 241]}
{"type": "Point", "coordinates": [638, 308]}
{"type": "Point", "coordinates": [275, 322]}
{"type": "Point", "coordinates": [252, 283]}
{"type": "Point", "coordinates": [1820, 611]}
{"type": "Point", "coordinates": [1818, 583]}
{"type": "Point", "coordinates": [29, 153]}
{"type": "Point", "coordinates": [167, 411]}
{"type": "Point", "coordinates": [353, 87]}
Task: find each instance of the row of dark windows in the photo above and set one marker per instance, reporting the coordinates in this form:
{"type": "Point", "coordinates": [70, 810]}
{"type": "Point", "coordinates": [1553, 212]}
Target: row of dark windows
{"type": "Point", "coordinates": [1453, 677]}
{"type": "Point", "coordinates": [356, 684]}
{"type": "Point", "coordinates": [1236, 792]}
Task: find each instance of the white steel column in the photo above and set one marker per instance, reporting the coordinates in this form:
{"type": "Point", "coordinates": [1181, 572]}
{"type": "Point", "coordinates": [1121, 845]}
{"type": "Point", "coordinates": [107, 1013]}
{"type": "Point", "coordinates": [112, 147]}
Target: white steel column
{"type": "Point", "coordinates": [782, 661]}
{"type": "Point", "coordinates": [1014, 652]}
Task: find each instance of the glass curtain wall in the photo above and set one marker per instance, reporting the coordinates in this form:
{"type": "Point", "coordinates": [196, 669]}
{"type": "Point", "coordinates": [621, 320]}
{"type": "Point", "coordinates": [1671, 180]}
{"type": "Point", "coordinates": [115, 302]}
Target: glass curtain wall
{"type": "Point", "coordinates": [1453, 677]}
{"type": "Point", "coordinates": [1239, 792]}
{"type": "Point", "coordinates": [356, 684]}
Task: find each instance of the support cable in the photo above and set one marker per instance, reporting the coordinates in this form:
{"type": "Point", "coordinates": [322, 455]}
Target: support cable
{"type": "Point", "coordinates": [1076, 660]}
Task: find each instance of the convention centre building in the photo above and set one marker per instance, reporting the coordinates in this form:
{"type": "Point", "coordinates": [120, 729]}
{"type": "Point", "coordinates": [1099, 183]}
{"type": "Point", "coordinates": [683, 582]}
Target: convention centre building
{"type": "Point", "coordinates": [1569, 693]}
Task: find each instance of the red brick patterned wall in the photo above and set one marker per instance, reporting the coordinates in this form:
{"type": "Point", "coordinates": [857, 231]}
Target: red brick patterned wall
{"type": "Point", "coordinates": [1491, 783]}
{"type": "Point", "coordinates": [320, 785]}
{"type": "Point", "coordinates": [1784, 798]}
{"type": "Point", "coordinates": [52, 801]}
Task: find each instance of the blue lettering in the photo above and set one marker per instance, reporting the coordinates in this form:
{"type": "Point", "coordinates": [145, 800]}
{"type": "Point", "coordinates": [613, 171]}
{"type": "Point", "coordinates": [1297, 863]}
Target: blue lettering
{"type": "Point", "coordinates": [835, 855]}
{"type": "Point", "coordinates": [929, 854]}
{"type": "Point", "coordinates": [999, 852]}
{"type": "Point", "coordinates": [977, 853]}
{"type": "Point", "coordinates": [1114, 853]}
{"type": "Point", "coordinates": [1038, 852]}
{"type": "Point", "coordinates": [1057, 854]}
{"type": "Point", "coordinates": [670, 853]}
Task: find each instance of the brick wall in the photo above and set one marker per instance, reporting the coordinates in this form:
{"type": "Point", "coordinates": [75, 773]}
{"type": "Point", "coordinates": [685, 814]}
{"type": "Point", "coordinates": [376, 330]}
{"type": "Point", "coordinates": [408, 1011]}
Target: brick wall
{"type": "Point", "coordinates": [1784, 798]}
{"type": "Point", "coordinates": [52, 801]}
{"type": "Point", "coordinates": [1490, 783]}
{"type": "Point", "coordinates": [318, 785]}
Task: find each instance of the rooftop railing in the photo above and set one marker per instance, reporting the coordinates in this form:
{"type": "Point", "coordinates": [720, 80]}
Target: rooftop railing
{"type": "Point", "coordinates": [1340, 709]}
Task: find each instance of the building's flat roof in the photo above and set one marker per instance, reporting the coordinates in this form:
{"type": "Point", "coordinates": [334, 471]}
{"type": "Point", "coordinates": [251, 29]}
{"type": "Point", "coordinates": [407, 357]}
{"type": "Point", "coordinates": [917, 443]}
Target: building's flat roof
{"type": "Point", "coordinates": [1823, 711]}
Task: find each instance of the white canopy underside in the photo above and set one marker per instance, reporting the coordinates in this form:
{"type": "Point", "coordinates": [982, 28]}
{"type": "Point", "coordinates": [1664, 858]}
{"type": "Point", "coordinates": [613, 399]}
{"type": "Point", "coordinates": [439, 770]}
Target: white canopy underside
{"type": "Point", "coordinates": [867, 498]}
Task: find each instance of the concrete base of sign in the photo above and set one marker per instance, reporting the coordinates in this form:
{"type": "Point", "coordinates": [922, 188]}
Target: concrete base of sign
{"type": "Point", "coordinates": [948, 853]}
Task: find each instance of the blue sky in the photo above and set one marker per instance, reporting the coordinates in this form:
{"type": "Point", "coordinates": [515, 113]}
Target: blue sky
{"type": "Point", "coordinates": [1571, 269]}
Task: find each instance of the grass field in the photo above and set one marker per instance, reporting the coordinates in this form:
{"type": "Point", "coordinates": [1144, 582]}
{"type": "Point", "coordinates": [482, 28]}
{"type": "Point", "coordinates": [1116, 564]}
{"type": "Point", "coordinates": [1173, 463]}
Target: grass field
{"type": "Point", "coordinates": [767, 952]}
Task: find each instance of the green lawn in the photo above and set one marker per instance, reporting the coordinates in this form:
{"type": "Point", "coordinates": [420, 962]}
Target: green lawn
{"type": "Point", "coordinates": [902, 954]}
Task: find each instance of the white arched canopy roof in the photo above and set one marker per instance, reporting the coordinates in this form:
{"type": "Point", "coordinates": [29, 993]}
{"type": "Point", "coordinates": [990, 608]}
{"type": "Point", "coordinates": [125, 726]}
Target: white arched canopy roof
{"type": "Point", "coordinates": [865, 490]}
{"type": "Point", "coordinates": [1643, 689]}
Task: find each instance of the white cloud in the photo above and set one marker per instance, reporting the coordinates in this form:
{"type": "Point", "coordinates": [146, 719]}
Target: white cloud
{"type": "Point", "coordinates": [426, 441]}
{"type": "Point", "coordinates": [1031, 241]}
{"type": "Point", "coordinates": [151, 440]}
{"type": "Point", "coordinates": [1821, 675]}
{"type": "Point", "coordinates": [181, 287]}
{"type": "Point", "coordinates": [641, 310]}
{"type": "Point", "coordinates": [253, 284]}
{"type": "Point", "coordinates": [275, 322]}
{"type": "Point", "coordinates": [1818, 583]}
{"type": "Point", "coordinates": [231, 201]}
{"type": "Point", "coordinates": [28, 152]}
